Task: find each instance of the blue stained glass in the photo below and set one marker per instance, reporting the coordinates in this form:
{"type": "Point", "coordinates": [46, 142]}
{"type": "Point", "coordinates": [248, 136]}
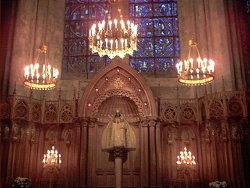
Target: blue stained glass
{"type": "Point", "coordinates": [175, 27]}
{"type": "Point", "coordinates": [145, 26]}
{"type": "Point", "coordinates": [145, 48]}
{"type": "Point", "coordinates": [79, 12]}
{"type": "Point", "coordinates": [143, 10]}
{"type": "Point", "coordinates": [65, 47]}
{"type": "Point", "coordinates": [164, 0]}
{"type": "Point", "coordinates": [97, 11]}
{"type": "Point", "coordinates": [80, 29]}
{"type": "Point", "coordinates": [66, 30]}
{"type": "Point", "coordinates": [164, 47]}
{"type": "Point", "coordinates": [143, 65]}
{"type": "Point", "coordinates": [77, 47]}
{"type": "Point", "coordinates": [165, 9]}
{"type": "Point", "coordinates": [76, 64]}
{"type": "Point", "coordinates": [163, 26]}
{"type": "Point", "coordinates": [140, 1]}
{"type": "Point", "coordinates": [165, 64]}
{"type": "Point", "coordinates": [177, 47]}
{"type": "Point", "coordinates": [158, 38]}
{"type": "Point", "coordinates": [98, 1]}
{"type": "Point", "coordinates": [67, 13]}
{"type": "Point", "coordinates": [95, 63]}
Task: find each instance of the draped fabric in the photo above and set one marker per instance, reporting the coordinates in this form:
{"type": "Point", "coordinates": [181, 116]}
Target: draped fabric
{"type": "Point", "coordinates": [118, 134]}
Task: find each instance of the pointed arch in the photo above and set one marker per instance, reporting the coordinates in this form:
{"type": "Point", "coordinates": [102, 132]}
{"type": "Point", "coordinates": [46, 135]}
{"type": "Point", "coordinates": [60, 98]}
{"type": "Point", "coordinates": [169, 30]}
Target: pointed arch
{"type": "Point", "coordinates": [118, 76]}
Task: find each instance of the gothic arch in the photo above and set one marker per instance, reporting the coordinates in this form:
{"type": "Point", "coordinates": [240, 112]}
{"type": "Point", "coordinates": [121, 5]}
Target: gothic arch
{"type": "Point", "coordinates": [118, 76]}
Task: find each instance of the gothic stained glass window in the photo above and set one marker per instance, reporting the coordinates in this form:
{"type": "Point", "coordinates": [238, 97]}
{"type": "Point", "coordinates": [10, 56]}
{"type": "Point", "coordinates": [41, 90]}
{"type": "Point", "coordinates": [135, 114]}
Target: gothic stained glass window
{"type": "Point", "coordinates": [158, 39]}
{"type": "Point", "coordinates": [79, 15]}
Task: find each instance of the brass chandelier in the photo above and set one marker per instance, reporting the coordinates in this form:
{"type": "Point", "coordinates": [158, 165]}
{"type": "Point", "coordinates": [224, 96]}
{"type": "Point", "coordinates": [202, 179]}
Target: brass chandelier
{"type": "Point", "coordinates": [185, 159]}
{"type": "Point", "coordinates": [113, 37]}
{"type": "Point", "coordinates": [194, 70]}
{"type": "Point", "coordinates": [40, 75]}
{"type": "Point", "coordinates": [52, 158]}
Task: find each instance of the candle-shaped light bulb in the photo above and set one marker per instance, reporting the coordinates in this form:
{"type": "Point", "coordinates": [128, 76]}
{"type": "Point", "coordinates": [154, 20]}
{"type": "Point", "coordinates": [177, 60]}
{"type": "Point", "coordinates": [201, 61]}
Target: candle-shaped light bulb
{"type": "Point", "coordinates": [115, 22]}
{"type": "Point", "coordinates": [110, 24]}
{"type": "Point", "coordinates": [122, 42]}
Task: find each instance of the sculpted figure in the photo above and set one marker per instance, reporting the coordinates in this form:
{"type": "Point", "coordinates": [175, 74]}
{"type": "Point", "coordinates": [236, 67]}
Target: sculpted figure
{"type": "Point", "coordinates": [118, 134]}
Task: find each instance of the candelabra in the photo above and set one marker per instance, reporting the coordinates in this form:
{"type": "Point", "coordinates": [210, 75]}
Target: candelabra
{"type": "Point", "coordinates": [52, 158]}
{"type": "Point", "coordinates": [185, 159]}
{"type": "Point", "coordinates": [185, 163]}
{"type": "Point", "coordinates": [113, 38]}
{"type": "Point", "coordinates": [40, 75]}
{"type": "Point", "coordinates": [194, 70]}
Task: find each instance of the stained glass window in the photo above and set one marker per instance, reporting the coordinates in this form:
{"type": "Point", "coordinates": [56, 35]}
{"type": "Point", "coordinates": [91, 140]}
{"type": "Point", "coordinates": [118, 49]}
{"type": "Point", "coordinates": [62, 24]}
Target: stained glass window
{"type": "Point", "coordinates": [158, 41]}
{"type": "Point", "coordinates": [158, 38]}
{"type": "Point", "coordinates": [79, 15]}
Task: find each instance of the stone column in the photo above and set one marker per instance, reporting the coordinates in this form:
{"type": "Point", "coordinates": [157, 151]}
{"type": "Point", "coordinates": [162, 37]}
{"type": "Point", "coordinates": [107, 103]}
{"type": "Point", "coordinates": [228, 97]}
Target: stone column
{"type": "Point", "coordinates": [119, 154]}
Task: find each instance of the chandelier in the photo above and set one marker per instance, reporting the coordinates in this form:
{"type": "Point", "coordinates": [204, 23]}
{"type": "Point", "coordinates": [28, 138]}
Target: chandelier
{"type": "Point", "coordinates": [52, 158]}
{"type": "Point", "coordinates": [113, 37]}
{"type": "Point", "coordinates": [40, 76]}
{"type": "Point", "coordinates": [194, 70]}
{"type": "Point", "coordinates": [185, 159]}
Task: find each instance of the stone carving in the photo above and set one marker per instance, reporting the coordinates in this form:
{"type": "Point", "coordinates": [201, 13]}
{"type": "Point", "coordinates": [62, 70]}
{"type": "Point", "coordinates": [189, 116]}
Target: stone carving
{"type": "Point", "coordinates": [118, 134]}
{"type": "Point", "coordinates": [188, 114]}
{"type": "Point", "coordinates": [15, 132]}
{"type": "Point", "coordinates": [66, 114]}
{"type": "Point", "coordinates": [169, 113]}
{"type": "Point", "coordinates": [21, 110]}
{"type": "Point", "coordinates": [124, 93]}
{"type": "Point", "coordinates": [207, 133]}
{"type": "Point", "coordinates": [52, 136]}
{"type": "Point", "coordinates": [216, 110]}
{"type": "Point", "coordinates": [6, 132]}
{"type": "Point", "coordinates": [236, 132]}
{"type": "Point", "coordinates": [224, 131]}
{"type": "Point", "coordinates": [4, 110]}
{"type": "Point", "coordinates": [68, 136]}
{"type": "Point", "coordinates": [170, 135]}
{"type": "Point", "coordinates": [36, 112]}
{"type": "Point", "coordinates": [22, 134]}
{"type": "Point", "coordinates": [118, 83]}
{"type": "Point", "coordinates": [51, 113]}
{"type": "Point", "coordinates": [234, 108]}
{"type": "Point", "coordinates": [32, 134]}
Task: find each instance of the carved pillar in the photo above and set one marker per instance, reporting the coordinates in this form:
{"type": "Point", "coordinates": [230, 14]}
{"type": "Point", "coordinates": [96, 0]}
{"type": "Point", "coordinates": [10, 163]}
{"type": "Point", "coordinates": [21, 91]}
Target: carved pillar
{"type": "Point", "coordinates": [82, 127]}
{"type": "Point", "coordinates": [118, 154]}
{"type": "Point", "coordinates": [151, 166]}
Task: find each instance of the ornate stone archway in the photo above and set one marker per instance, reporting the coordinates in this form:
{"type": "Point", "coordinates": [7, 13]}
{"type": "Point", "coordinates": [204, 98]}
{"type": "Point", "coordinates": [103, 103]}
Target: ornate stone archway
{"type": "Point", "coordinates": [117, 79]}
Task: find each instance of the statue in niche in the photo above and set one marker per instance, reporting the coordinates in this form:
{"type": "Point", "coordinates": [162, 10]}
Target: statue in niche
{"type": "Point", "coordinates": [15, 131]}
{"type": "Point", "coordinates": [6, 132]}
{"type": "Point", "coordinates": [118, 134]}
{"type": "Point", "coordinates": [68, 136]}
{"type": "Point", "coordinates": [52, 136]}
{"type": "Point", "coordinates": [22, 133]}
{"type": "Point", "coordinates": [32, 134]}
{"type": "Point", "coordinates": [170, 135]}
{"type": "Point", "coordinates": [235, 132]}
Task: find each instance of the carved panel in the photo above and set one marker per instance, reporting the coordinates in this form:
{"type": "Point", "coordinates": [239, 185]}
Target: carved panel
{"type": "Point", "coordinates": [235, 108]}
{"type": "Point", "coordinates": [169, 113]}
{"type": "Point", "coordinates": [66, 114]}
{"type": "Point", "coordinates": [124, 93]}
{"type": "Point", "coordinates": [51, 113]}
{"type": "Point", "coordinates": [4, 110]}
{"type": "Point", "coordinates": [187, 113]}
{"type": "Point", "coordinates": [21, 110]}
{"type": "Point", "coordinates": [216, 110]}
{"type": "Point", "coordinates": [36, 112]}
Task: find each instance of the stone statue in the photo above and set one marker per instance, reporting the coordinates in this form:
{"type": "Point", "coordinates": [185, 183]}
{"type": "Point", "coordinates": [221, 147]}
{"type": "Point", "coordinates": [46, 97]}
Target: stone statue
{"type": "Point", "coordinates": [118, 134]}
